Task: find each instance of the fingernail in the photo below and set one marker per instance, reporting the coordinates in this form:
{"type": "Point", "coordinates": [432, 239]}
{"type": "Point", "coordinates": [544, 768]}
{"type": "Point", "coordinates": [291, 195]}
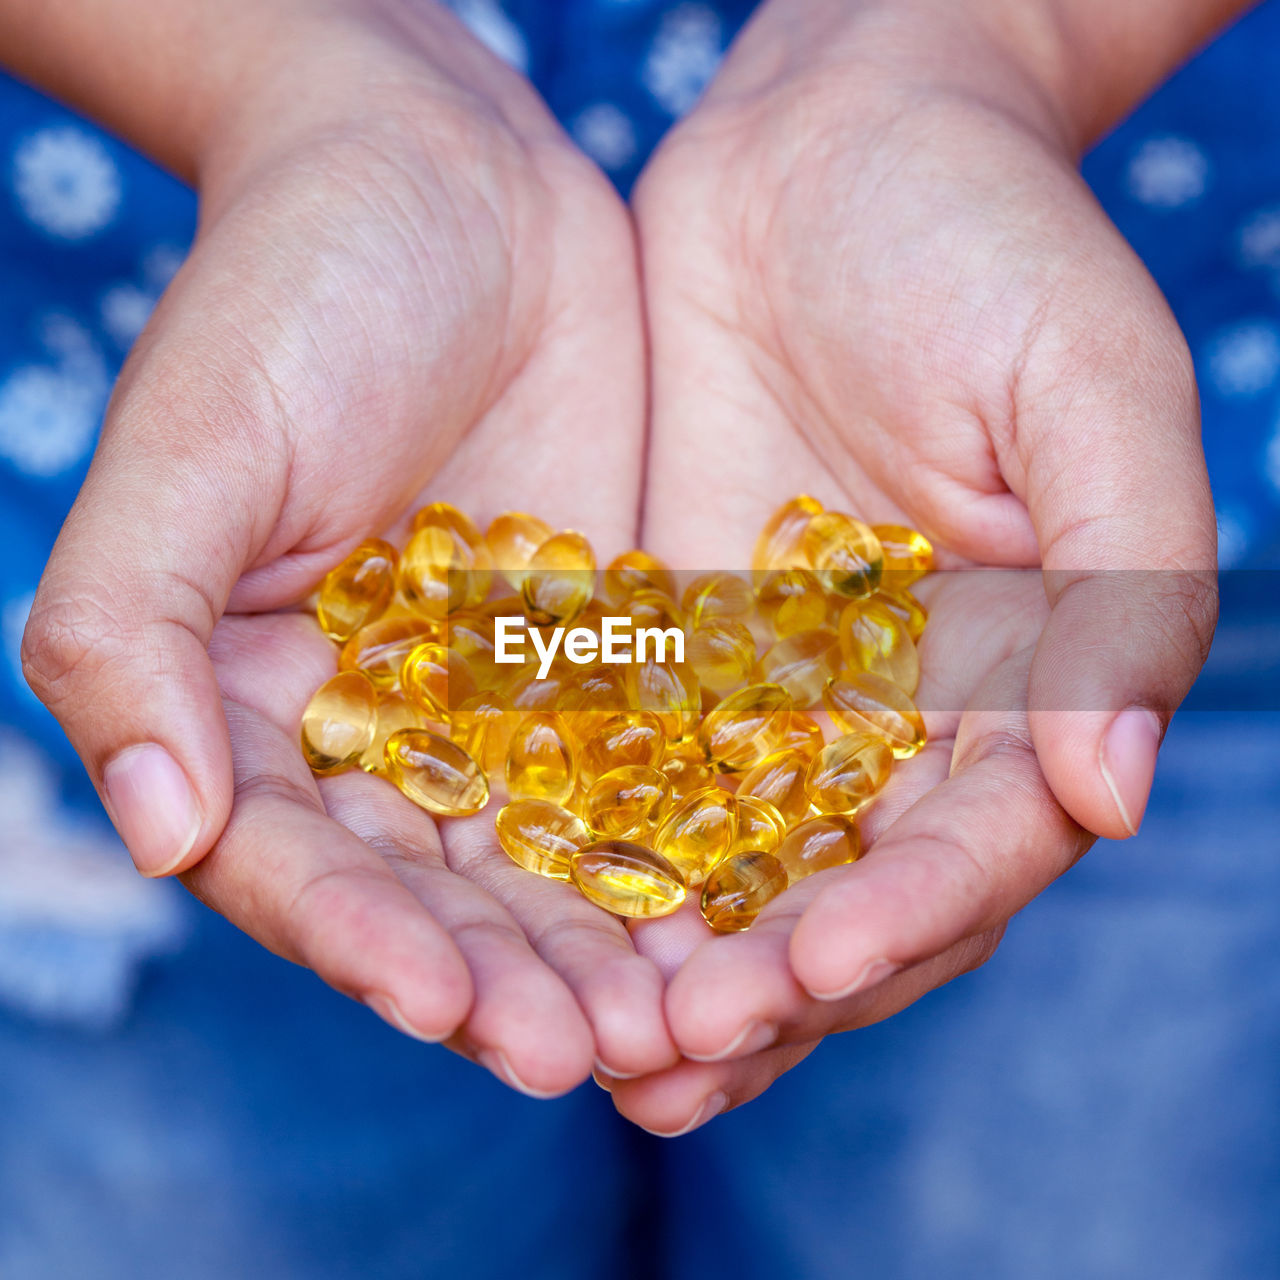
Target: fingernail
{"type": "Point", "coordinates": [387, 1009]}
{"type": "Point", "coordinates": [751, 1039]}
{"type": "Point", "coordinates": [496, 1061]}
{"type": "Point", "coordinates": [711, 1108]}
{"type": "Point", "coordinates": [874, 972]}
{"type": "Point", "coordinates": [1127, 760]}
{"type": "Point", "coordinates": [616, 1075]}
{"type": "Point", "coordinates": [153, 807]}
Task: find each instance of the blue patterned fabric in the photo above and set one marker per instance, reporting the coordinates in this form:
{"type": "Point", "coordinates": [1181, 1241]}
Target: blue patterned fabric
{"type": "Point", "coordinates": [1100, 1101]}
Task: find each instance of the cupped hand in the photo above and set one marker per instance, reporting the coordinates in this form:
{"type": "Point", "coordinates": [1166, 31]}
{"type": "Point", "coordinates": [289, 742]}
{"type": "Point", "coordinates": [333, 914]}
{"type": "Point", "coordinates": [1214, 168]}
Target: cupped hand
{"type": "Point", "coordinates": [873, 273]}
{"type": "Point", "coordinates": [406, 285]}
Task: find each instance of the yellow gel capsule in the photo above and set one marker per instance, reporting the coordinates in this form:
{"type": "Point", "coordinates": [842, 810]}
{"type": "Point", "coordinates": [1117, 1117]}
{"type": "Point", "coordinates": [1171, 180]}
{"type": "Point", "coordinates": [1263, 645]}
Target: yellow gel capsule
{"type": "Point", "coordinates": [908, 554]}
{"type": "Point", "coordinates": [652, 609]}
{"type": "Point", "coordinates": [512, 539]}
{"type": "Point", "coordinates": [737, 889]}
{"type": "Point", "coordinates": [436, 774]}
{"type": "Point", "coordinates": [444, 515]}
{"type": "Point", "coordinates": [627, 803]}
{"type": "Point", "coordinates": [541, 762]}
{"type": "Point", "coordinates": [802, 664]}
{"type": "Point", "coordinates": [541, 836]}
{"type": "Point", "coordinates": [829, 841]}
{"type": "Point", "coordinates": [781, 542]}
{"type": "Point", "coordinates": [803, 734]}
{"type": "Point", "coordinates": [699, 832]}
{"type": "Point", "coordinates": [844, 553]}
{"type": "Point", "coordinates": [627, 879]}
{"type": "Point", "coordinates": [629, 738]}
{"type": "Point", "coordinates": [437, 680]}
{"type": "Point", "coordinates": [671, 691]}
{"type": "Point", "coordinates": [873, 638]}
{"type": "Point", "coordinates": [779, 779]}
{"type": "Point", "coordinates": [339, 722]}
{"type": "Point", "coordinates": [791, 600]}
{"type": "Point", "coordinates": [394, 713]}
{"type": "Point", "coordinates": [913, 614]}
{"type": "Point", "coordinates": [867, 703]}
{"type": "Point", "coordinates": [528, 693]}
{"type": "Point", "coordinates": [482, 725]}
{"type": "Point", "coordinates": [436, 572]}
{"type": "Point", "coordinates": [685, 774]}
{"type": "Point", "coordinates": [745, 727]}
{"type": "Point", "coordinates": [589, 697]}
{"type": "Point", "coordinates": [560, 579]}
{"type": "Point", "coordinates": [379, 649]}
{"type": "Point", "coordinates": [717, 595]}
{"type": "Point", "coordinates": [357, 591]}
{"type": "Point", "coordinates": [722, 652]}
{"type": "Point", "coordinates": [469, 632]}
{"type": "Point", "coordinates": [846, 774]}
{"type": "Point", "coordinates": [761, 827]}
{"type": "Point", "coordinates": [635, 571]}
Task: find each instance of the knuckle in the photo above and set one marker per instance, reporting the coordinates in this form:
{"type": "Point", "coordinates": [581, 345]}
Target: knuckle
{"type": "Point", "coordinates": [66, 643]}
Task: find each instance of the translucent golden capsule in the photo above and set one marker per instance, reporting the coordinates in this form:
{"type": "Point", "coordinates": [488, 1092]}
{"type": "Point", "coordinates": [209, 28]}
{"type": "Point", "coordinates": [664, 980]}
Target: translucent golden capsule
{"type": "Point", "coordinates": [436, 774]}
{"type": "Point", "coordinates": [512, 539]}
{"type": "Point", "coordinates": [908, 554]}
{"type": "Point", "coordinates": [528, 693]}
{"type": "Point", "coordinates": [791, 600]}
{"type": "Point", "coordinates": [867, 703]}
{"type": "Point", "coordinates": [339, 722]}
{"type": "Point", "coordinates": [745, 727]}
{"type": "Point", "coordinates": [541, 762]}
{"type": "Point", "coordinates": [629, 738]}
{"type": "Point", "coordinates": [781, 542]}
{"type": "Point", "coordinates": [435, 574]}
{"type": "Point", "coordinates": [560, 579]}
{"type": "Point", "coordinates": [436, 680]}
{"type": "Point", "coordinates": [829, 841]}
{"type": "Point", "coordinates": [482, 725]}
{"type": "Point", "coordinates": [379, 649]}
{"type": "Point", "coordinates": [627, 803]}
{"type": "Point", "coordinates": [802, 664]}
{"type": "Point", "coordinates": [358, 590]}
{"type": "Point", "coordinates": [907, 607]}
{"type": "Point", "coordinates": [634, 571]}
{"type": "Point", "coordinates": [761, 827]}
{"type": "Point", "coordinates": [479, 573]}
{"type": "Point", "coordinates": [873, 638]}
{"type": "Point", "coordinates": [626, 879]}
{"type": "Point", "coordinates": [393, 714]}
{"type": "Point", "coordinates": [738, 888]}
{"type": "Point", "coordinates": [541, 836]}
{"type": "Point", "coordinates": [844, 553]}
{"type": "Point", "coordinates": [699, 832]}
{"type": "Point", "coordinates": [589, 696]}
{"type": "Point", "coordinates": [779, 779]}
{"type": "Point", "coordinates": [671, 691]}
{"type": "Point", "coordinates": [803, 734]}
{"type": "Point", "coordinates": [686, 773]}
{"type": "Point", "coordinates": [717, 595]}
{"type": "Point", "coordinates": [846, 774]}
{"type": "Point", "coordinates": [651, 608]}
{"type": "Point", "coordinates": [469, 632]}
{"type": "Point", "coordinates": [722, 652]}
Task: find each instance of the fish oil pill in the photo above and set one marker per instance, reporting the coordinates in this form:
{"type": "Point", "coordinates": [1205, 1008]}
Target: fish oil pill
{"type": "Point", "coordinates": [671, 691]}
{"type": "Point", "coordinates": [627, 879]}
{"type": "Point", "coordinates": [436, 680]}
{"type": "Point", "coordinates": [393, 713]}
{"type": "Point", "coordinates": [722, 652]}
{"type": "Point", "coordinates": [829, 841]}
{"type": "Point", "coordinates": [541, 762]}
{"type": "Point", "coordinates": [627, 803]}
{"type": "Point", "coordinates": [802, 664]}
{"type": "Point", "coordinates": [444, 515]}
{"type": "Point", "coordinates": [779, 779]}
{"type": "Point", "coordinates": [846, 774]}
{"type": "Point", "coordinates": [512, 539]}
{"type": "Point", "coordinates": [358, 591]}
{"type": "Point", "coordinates": [560, 578]}
{"type": "Point", "coordinates": [541, 836]}
{"type": "Point", "coordinates": [907, 607]}
{"type": "Point", "coordinates": [803, 734]}
{"type": "Point", "coordinates": [686, 773]}
{"type": "Point", "coordinates": [469, 632]}
{"type": "Point", "coordinates": [698, 833]}
{"type": "Point", "coordinates": [745, 727]}
{"type": "Point", "coordinates": [867, 703]}
{"type": "Point", "coordinates": [434, 570]}
{"type": "Point", "coordinates": [716, 595]}
{"type": "Point", "coordinates": [873, 638]}
{"type": "Point", "coordinates": [528, 693]}
{"type": "Point", "coordinates": [482, 725]}
{"type": "Point", "coordinates": [791, 600]}
{"type": "Point", "coordinates": [844, 554]}
{"type": "Point", "coordinates": [339, 722]}
{"type": "Point", "coordinates": [781, 541]}
{"type": "Point", "coordinates": [738, 888]}
{"type": "Point", "coordinates": [908, 555]}
{"type": "Point", "coordinates": [634, 571]}
{"type": "Point", "coordinates": [629, 738]}
{"type": "Point", "coordinates": [589, 697]}
{"type": "Point", "coordinates": [380, 648]}
{"type": "Point", "coordinates": [760, 826]}
{"type": "Point", "coordinates": [436, 774]}
{"type": "Point", "coordinates": [649, 608]}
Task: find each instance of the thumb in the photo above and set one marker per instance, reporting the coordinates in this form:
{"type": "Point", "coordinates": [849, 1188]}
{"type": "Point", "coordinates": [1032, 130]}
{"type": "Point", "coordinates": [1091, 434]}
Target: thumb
{"type": "Point", "coordinates": [1117, 491]}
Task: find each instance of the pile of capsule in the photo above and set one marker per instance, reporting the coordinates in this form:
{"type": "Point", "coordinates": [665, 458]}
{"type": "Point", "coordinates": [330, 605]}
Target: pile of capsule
{"type": "Point", "coordinates": [643, 781]}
